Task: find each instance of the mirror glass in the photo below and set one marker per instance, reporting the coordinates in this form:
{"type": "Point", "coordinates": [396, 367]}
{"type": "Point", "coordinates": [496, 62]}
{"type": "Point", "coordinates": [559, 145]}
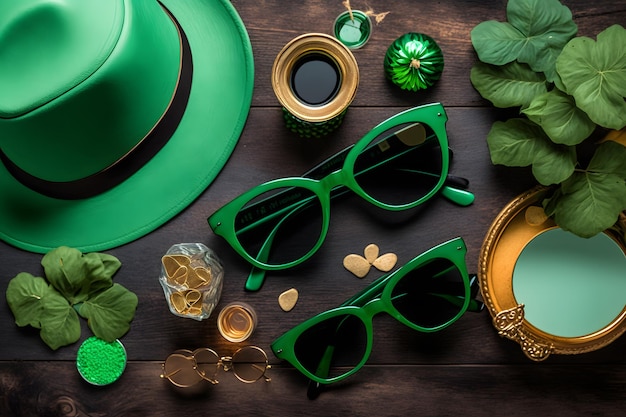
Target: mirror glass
{"type": "Point", "coordinates": [570, 286]}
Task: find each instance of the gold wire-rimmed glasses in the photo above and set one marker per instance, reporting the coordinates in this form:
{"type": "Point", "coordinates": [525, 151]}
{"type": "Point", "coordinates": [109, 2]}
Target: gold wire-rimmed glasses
{"type": "Point", "coordinates": [185, 368]}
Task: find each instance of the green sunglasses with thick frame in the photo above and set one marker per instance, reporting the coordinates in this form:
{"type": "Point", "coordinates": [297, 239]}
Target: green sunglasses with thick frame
{"type": "Point", "coordinates": [427, 294]}
{"type": "Point", "coordinates": [270, 206]}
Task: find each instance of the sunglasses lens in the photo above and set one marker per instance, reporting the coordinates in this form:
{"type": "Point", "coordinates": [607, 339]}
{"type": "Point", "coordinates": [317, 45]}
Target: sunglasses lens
{"type": "Point", "coordinates": [400, 166]}
{"type": "Point", "coordinates": [179, 369]}
{"type": "Point", "coordinates": [206, 363]}
{"type": "Point", "coordinates": [287, 224]}
{"type": "Point", "coordinates": [333, 347]}
{"type": "Point", "coordinates": [431, 295]}
{"type": "Point", "coordinates": [249, 363]}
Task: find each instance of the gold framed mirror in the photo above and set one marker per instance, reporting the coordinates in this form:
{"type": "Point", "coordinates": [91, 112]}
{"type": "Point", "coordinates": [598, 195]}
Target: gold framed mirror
{"type": "Point", "coordinates": [550, 290]}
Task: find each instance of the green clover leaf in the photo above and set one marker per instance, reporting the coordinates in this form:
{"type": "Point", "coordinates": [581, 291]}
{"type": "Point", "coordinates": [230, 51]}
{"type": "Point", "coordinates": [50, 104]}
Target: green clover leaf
{"type": "Point", "coordinates": [60, 325]}
{"type": "Point", "coordinates": [595, 74]}
{"type": "Point", "coordinates": [79, 284]}
{"type": "Point", "coordinates": [109, 313]}
{"type": "Point", "coordinates": [591, 200]}
{"type": "Point", "coordinates": [24, 296]}
{"type": "Point", "coordinates": [34, 302]}
{"type": "Point", "coordinates": [75, 275]}
{"type": "Point", "coordinates": [557, 114]}
{"type": "Point", "coordinates": [510, 85]}
{"type": "Point", "coordinates": [520, 142]}
{"type": "Point", "coordinates": [535, 34]}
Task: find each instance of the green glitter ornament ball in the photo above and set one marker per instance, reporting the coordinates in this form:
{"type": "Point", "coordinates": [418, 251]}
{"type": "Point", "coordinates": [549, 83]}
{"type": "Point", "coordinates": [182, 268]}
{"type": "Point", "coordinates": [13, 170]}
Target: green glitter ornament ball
{"type": "Point", "coordinates": [414, 61]}
{"type": "Point", "coordinates": [100, 362]}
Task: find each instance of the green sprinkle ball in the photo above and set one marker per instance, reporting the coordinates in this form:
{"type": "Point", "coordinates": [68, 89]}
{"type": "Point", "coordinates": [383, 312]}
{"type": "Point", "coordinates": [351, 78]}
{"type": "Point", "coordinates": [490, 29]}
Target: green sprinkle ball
{"type": "Point", "coordinates": [100, 362]}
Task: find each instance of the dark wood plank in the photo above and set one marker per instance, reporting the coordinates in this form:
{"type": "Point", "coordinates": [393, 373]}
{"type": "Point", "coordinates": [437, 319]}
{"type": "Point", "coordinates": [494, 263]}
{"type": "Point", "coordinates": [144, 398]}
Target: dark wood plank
{"type": "Point", "coordinates": [271, 24]}
{"type": "Point", "coordinates": [476, 390]}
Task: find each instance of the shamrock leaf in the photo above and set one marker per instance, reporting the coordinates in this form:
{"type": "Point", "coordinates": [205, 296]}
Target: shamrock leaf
{"type": "Point", "coordinates": [590, 201]}
{"type": "Point", "coordinates": [24, 296]}
{"type": "Point", "coordinates": [110, 312]}
{"type": "Point", "coordinates": [595, 74]}
{"type": "Point", "coordinates": [535, 34]}
{"type": "Point", "coordinates": [510, 85]}
{"type": "Point", "coordinates": [35, 303]}
{"type": "Point", "coordinates": [75, 275]}
{"type": "Point", "coordinates": [520, 142]}
{"type": "Point", "coordinates": [60, 325]}
{"type": "Point", "coordinates": [557, 114]}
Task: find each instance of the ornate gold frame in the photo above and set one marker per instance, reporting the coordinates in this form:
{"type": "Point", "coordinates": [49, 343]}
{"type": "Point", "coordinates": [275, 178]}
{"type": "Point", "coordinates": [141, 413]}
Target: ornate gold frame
{"type": "Point", "coordinates": [511, 231]}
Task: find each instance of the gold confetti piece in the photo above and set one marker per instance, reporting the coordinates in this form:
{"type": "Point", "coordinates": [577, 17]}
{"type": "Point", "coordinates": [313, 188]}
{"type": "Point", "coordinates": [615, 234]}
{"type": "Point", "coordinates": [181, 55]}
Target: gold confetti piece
{"type": "Point", "coordinates": [194, 280]}
{"type": "Point", "coordinates": [177, 299]}
{"type": "Point", "coordinates": [179, 277]}
{"type": "Point", "coordinates": [371, 252]}
{"type": "Point", "coordinates": [287, 300]}
{"type": "Point", "coordinates": [535, 216]}
{"type": "Point", "coordinates": [356, 264]}
{"type": "Point", "coordinates": [194, 311]}
{"type": "Point", "coordinates": [172, 263]}
{"type": "Point", "coordinates": [192, 297]}
{"type": "Point", "coordinates": [385, 262]}
{"type": "Point", "coordinates": [203, 273]}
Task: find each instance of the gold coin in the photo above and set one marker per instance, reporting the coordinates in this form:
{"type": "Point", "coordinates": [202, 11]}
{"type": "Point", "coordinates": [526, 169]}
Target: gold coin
{"type": "Point", "coordinates": [371, 252]}
{"type": "Point", "coordinates": [386, 262]}
{"type": "Point", "coordinates": [287, 300]}
{"type": "Point", "coordinates": [356, 264]}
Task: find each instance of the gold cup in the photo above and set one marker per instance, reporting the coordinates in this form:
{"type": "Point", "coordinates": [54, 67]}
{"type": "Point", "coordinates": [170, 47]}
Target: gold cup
{"type": "Point", "coordinates": [315, 78]}
{"type": "Point", "coordinates": [236, 322]}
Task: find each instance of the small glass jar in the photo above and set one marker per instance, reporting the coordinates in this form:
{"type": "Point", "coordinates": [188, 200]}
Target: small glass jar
{"type": "Point", "coordinates": [192, 278]}
{"type": "Point", "coordinates": [353, 28]}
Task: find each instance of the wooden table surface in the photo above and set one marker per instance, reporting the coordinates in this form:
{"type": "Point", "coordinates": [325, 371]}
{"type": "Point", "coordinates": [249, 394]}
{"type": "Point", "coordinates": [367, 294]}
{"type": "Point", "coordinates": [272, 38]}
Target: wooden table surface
{"type": "Point", "coordinates": [466, 369]}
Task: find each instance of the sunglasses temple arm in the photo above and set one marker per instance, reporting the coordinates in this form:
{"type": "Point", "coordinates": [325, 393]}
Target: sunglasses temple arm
{"type": "Point", "coordinates": [257, 275]}
{"type": "Point", "coordinates": [322, 371]}
{"type": "Point", "coordinates": [453, 188]}
{"type": "Point", "coordinates": [272, 207]}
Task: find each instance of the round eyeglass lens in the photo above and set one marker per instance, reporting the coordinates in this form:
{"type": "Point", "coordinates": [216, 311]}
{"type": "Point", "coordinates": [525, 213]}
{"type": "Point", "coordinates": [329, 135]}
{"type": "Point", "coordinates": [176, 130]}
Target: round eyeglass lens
{"type": "Point", "coordinates": [206, 363]}
{"type": "Point", "coordinates": [332, 347]}
{"type": "Point", "coordinates": [280, 226]}
{"type": "Point", "coordinates": [400, 166]}
{"type": "Point", "coordinates": [249, 363]}
{"type": "Point", "coordinates": [179, 368]}
{"type": "Point", "coordinates": [431, 295]}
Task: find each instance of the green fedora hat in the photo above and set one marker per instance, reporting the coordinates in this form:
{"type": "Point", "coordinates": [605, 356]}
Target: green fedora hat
{"type": "Point", "coordinates": [115, 115]}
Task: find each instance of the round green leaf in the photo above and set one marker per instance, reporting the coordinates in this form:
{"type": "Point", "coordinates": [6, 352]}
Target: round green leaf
{"type": "Point", "coordinates": [76, 275]}
{"type": "Point", "coordinates": [535, 34]}
{"type": "Point", "coordinates": [595, 74]}
{"type": "Point", "coordinates": [590, 201]}
{"type": "Point", "coordinates": [510, 85]}
{"type": "Point", "coordinates": [547, 26]}
{"type": "Point", "coordinates": [497, 43]}
{"type": "Point", "coordinates": [557, 114]}
{"type": "Point", "coordinates": [24, 295]}
{"type": "Point", "coordinates": [109, 313]}
{"type": "Point", "coordinates": [520, 142]}
{"type": "Point", "coordinates": [60, 325]}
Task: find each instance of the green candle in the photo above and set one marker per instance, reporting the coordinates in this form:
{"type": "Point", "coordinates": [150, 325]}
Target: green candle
{"type": "Point", "coordinates": [100, 362]}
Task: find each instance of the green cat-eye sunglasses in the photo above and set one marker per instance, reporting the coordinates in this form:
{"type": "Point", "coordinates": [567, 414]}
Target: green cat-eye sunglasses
{"type": "Point", "coordinates": [427, 294]}
{"type": "Point", "coordinates": [399, 164]}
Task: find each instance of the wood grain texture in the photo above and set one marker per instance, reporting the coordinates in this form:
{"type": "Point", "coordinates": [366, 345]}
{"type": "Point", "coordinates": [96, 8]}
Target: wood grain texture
{"type": "Point", "coordinates": [466, 369]}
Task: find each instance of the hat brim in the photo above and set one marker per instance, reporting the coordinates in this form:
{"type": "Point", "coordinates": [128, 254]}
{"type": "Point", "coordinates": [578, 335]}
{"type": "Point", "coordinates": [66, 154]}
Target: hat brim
{"type": "Point", "coordinates": [218, 106]}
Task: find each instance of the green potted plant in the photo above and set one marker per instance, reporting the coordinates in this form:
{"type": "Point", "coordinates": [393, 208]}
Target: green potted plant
{"type": "Point", "coordinates": [569, 89]}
